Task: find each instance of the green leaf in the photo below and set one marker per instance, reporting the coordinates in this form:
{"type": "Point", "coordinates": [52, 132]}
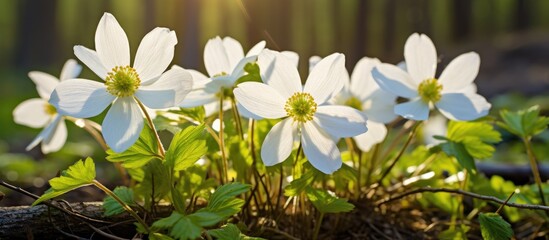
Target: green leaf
{"type": "Point", "coordinates": [82, 173]}
{"type": "Point", "coordinates": [524, 123]}
{"type": "Point", "coordinates": [197, 114]}
{"type": "Point", "coordinates": [159, 236]}
{"type": "Point", "coordinates": [298, 185]}
{"type": "Point", "coordinates": [230, 232]}
{"type": "Point", "coordinates": [326, 203]}
{"type": "Point", "coordinates": [155, 180]}
{"type": "Point", "coordinates": [179, 226]}
{"type": "Point", "coordinates": [458, 151]}
{"type": "Point", "coordinates": [205, 218]}
{"type": "Point", "coordinates": [186, 148]}
{"type": "Point", "coordinates": [223, 201]}
{"type": "Point", "coordinates": [112, 207]}
{"type": "Point", "coordinates": [458, 131]}
{"type": "Point", "coordinates": [253, 73]}
{"type": "Point", "coordinates": [493, 227]}
{"type": "Point", "coordinates": [140, 153]}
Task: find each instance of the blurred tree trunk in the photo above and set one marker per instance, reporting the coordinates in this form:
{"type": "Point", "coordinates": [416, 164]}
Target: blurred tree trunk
{"type": "Point", "coordinates": [36, 20]}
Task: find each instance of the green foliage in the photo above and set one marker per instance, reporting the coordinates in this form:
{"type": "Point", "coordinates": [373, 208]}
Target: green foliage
{"type": "Point", "coordinates": [112, 207]}
{"type": "Point", "coordinates": [223, 201]}
{"type": "Point", "coordinates": [253, 73]}
{"type": "Point", "coordinates": [297, 186]}
{"type": "Point", "coordinates": [186, 148]}
{"type": "Point", "coordinates": [493, 227]}
{"type": "Point", "coordinates": [197, 114]}
{"type": "Point", "coordinates": [156, 180]}
{"type": "Point", "coordinates": [230, 232]}
{"type": "Point", "coordinates": [179, 225]}
{"type": "Point", "coordinates": [467, 141]}
{"type": "Point", "coordinates": [524, 123]}
{"type": "Point", "coordinates": [222, 204]}
{"type": "Point", "coordinates": [82, 173]}
{"type": "Point", "coordinates": [455, 233]}
{"type": "Point", "coordinates": [140, 153]}
{"type": "Point", "coordinates": [324, 202]}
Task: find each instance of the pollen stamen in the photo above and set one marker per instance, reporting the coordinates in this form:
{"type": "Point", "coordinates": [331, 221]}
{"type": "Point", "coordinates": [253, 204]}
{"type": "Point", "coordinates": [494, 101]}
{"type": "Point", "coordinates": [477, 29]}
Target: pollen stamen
{"type": "Point", "coordinates": [122, 81]}
{"type": "Point", "coordinates": [430, 90]}
{"type": "Point", "coordinates": [301, 107]}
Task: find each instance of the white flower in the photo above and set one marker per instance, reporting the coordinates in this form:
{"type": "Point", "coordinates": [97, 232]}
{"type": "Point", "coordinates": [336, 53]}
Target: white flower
{"type": "Point", "coordinates": [363, 93]}
{"type": "Point", "coordinates": [448, 93]}
{"type": "Point", "coordinates": [307, 118]}
{"type": "Point", "coordinates": [38, 113]}
{"type": "Point", "coordinates": [123, 85]}
{"type": "Point", "coordinates": [225, 61]}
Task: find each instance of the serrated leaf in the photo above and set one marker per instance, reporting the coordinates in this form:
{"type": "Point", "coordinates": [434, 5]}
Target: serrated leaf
{"type": "Point", "coordinates": [493, 227]}
{"type": "Point", "coordinates": [223, 201]}
{"type": "Point", "coordinates": [205, 218]}
{"type": "Point", "coordinates": [186, 148]}
{"type": "Point", "coordinates": [140, 153]}
{"type": "Point", "coordinates": [297, 186]}
{"type": "Point", "coordinates": [230, 232]}
{"type": "Point", "coordinates": [179, 226]}
{"type": "Point", "coordinates": [458, 131]}
{"type": "Point", "coordinates": [112, 207]}
{"type": "Point", "coordinates": [458, 151]}
{"type": "Point", "coordinates": [524, 123]}
{"type": "Point", "coordinates": [159, 236]}
{"type": "Point", "coordinates": [156, 179]}
{"type": "Point", "coordinates": [326, 203]}
{"type": "Point", "coordinates": [80, 174]}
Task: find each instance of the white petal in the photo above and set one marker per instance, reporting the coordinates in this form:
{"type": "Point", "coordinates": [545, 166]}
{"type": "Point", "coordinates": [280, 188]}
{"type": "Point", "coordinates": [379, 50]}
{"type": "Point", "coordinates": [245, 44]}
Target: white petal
{"type": "Point", "coordinates": [460, 73]}
{"type": "Point", "coordinates": [256, 49]}
{"type": "Point", "coordinates": [91, 60]}
{"type": "Point", "coordinates": [155, 53]}
{"type": "Point", "coordinates": [394, 80]}
{"type": "Point", "coordinates": [81, 98]}
{"type": "Point", "coordinates": [31, 113]}
{"type": "Point", "coordinates": [47, 132]}
{"type": "Point", "coordinates": [122, 124]}
{"type": "Point", "coordinates": [234, 51]}
{"type": "Point", "coordinates": [340, 121]}
{"type": "Point", "coordinates": [57, 139]}
{"type": "Point", "coordinates": [293, 57]}
{"type": "Point", "coordinates": [415, 109]}
{"type": "Point", "coordinates": [111, 43]}
{"type": "Point", "coordinates": [327, 78]}
{"type": "Point", "coordinates": [260, 99]}
{"type": "Point", "coordinates": [71, 69]}
{"type": "Point", "coordinates": [320, 149]}
{"type": "Point", "coordinates": [238, 70]}
{"type": "Point", "coordinates": [197, 98]}
{"type": "Point", "coordinates": [362, 82]}
{"type": "Point", "coordinates": [376, 133]}
{"type": "Point", "coordinates": [313, 61]}
{"type": "Point", "coordinates": [421, 57]}
{"type": "Point", "coordinates": [278, 143]}
{"type": "Point", "coordinates": [470, 89]}
{"type": "Point", "coordinates": [436, 125]}
{"type": "Point", "coordinates": [463, 107]}
{"type": "Point", "coordinates": [245, 113]}
{"type": "Point", "coordinates": [215, 57]}
{"type": "Point", "coordinates": [168, 91]}
{"type": "Point", "coordinates": [379, 106]}
{"type": "Point", "coordinates": [45, 83]}
{"type": "Point", "coordinates": [279, 72]}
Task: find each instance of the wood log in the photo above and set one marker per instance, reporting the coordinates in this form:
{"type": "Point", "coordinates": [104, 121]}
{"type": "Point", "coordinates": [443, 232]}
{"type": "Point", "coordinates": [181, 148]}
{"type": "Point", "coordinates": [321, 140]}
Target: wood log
{"type": "Point", "coordinates": [43, 222]}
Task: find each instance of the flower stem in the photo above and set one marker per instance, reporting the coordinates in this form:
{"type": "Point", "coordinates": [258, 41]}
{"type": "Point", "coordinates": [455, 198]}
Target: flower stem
{"type": "Point", "coordinates": [238, 121]}
{"type": "Point", "coordinates": [122, 203]}
{"type": "Point", "coordinates": [151, 124]}
{"type": "Point", "coordinates": [224, 162]}
{"type": "Point", "coordinates": [506, 201]}
{"type": "Point", "coordinates": [534, 166]}
{"type": "Point", "coordinates": [317, 226]}
{"type": "Point", "coordinates": [410, 137]}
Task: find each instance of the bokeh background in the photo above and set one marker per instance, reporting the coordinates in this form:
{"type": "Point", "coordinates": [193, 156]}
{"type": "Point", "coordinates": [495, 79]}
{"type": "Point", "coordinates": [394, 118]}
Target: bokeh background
{"type": "Point", "coordinates": [511, 36]}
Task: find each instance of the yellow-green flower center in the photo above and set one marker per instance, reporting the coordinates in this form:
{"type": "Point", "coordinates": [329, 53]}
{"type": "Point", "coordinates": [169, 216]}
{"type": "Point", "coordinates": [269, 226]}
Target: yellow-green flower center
{"type": "Point", "coordinates": [122, 81]}
{"type": "Point", "coordinates": [354, 103]}
{"type": "Point", "coordinates": [301, 107]}
{"type": "Point", "coordinates": [430, 90]}
{"type": "Point", "coordinates": [49, 109]}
